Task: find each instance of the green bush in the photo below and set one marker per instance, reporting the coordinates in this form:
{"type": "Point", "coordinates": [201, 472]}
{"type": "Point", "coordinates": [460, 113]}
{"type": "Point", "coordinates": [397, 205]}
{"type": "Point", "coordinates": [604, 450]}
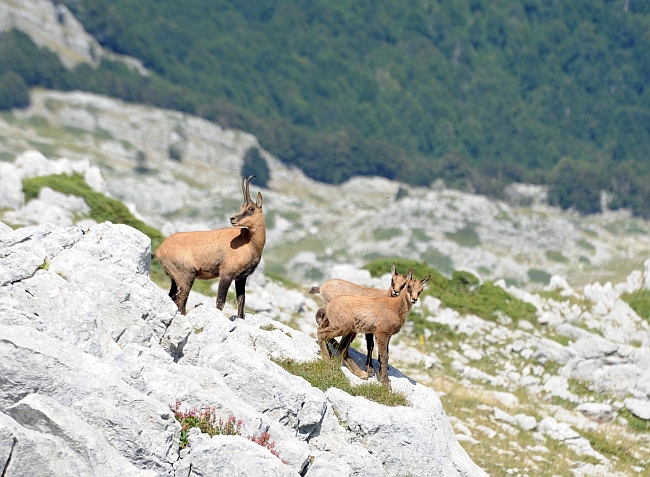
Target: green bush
{"type": "Point", "coordinates": [463, 292]}
{"type": "Point", "coordinates": [102, 209]}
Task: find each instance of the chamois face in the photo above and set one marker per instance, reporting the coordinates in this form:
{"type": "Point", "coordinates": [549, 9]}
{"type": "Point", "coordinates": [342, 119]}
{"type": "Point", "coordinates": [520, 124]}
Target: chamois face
{"type": "Point", "coordinates": [415, 287]}
{"type": "Point", "coordinates": [249, 215]}
{"type": "Point", "coordinates": [397, 282]}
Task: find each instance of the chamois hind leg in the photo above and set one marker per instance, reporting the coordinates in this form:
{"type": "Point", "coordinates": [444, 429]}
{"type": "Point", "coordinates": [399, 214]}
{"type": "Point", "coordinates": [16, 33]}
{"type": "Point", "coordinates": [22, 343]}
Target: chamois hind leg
{"type": "Point", "coordinates": [183, 293]}
{"type": "Point", "coordinates": [222, 291]}
{"type": "Point", "coordinates": [240, 288]}
{"type": "Point", "coordinates": [370, 345]}
{"type": "Point", "coordinates": [173, 290]}
{"type": "Point", "coordinates": [382, 349]}
{"type": "Point", "coordinates": [346, 341]}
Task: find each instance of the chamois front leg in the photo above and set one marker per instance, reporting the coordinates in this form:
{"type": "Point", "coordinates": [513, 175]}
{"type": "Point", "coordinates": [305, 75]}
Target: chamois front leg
{"type": "Point", "coordinates": [382, 349]}
{"type": "Point", "coordinates": [240, 288]}
{"type": "Point", "coordinates": [222, 291]}
{"type": "Point", "coordinates": [370, 344]}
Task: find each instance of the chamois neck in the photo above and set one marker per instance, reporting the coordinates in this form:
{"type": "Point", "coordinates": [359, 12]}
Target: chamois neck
{"type": "Point", "coordinates": [257, 235]}
{"type": "Point", "coordinates": [404, 303]}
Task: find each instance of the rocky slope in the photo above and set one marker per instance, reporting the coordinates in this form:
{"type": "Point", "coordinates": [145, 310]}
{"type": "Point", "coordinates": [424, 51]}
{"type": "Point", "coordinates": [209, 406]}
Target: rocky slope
{"type": "Point", "coordinates": [313, 226]}
{"type": "Point", "coordinates": [570, 389]}
{"type": "Point", "coordinates": [92, 356]}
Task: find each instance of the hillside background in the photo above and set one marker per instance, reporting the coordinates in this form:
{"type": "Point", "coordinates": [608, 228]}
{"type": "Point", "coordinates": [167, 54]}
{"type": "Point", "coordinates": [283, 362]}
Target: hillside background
{"type": "Point", "coordinates": [480, 94]}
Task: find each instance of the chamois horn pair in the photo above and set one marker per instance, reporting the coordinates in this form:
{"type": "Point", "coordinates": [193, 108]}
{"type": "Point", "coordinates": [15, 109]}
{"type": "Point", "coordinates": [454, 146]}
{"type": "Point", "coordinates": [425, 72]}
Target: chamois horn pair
{"type": "Point", "coordinates": [245, 184]}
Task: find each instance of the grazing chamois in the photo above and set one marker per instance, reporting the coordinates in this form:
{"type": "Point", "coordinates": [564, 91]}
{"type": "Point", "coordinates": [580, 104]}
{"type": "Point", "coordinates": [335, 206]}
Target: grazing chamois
{"type": "Point", "coordinates": [382, 317]}
{"type": "Point", "coordinates": [337, 287]}
{"type": "Point", "coordinates": [230, 254]}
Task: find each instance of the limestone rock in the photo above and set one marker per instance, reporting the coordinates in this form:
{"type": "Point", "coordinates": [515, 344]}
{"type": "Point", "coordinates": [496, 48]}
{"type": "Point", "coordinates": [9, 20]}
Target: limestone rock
{"type": "Point", "coordinates": [11, 187]}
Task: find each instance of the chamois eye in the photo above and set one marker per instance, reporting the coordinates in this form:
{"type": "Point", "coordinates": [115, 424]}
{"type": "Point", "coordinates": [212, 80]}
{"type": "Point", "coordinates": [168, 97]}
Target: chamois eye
{"type": "Point", "coordinates": [251, 208]}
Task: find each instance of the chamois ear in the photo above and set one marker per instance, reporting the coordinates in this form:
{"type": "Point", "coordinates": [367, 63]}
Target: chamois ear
{"type": "Point", "coordinates": [424, 281]}
{"type": "Point", "coordinates": [392, 270]}
{"type": "Point", "coordinates": [409, 275]}
{"type": "Point", "coordinates": [259, 200]}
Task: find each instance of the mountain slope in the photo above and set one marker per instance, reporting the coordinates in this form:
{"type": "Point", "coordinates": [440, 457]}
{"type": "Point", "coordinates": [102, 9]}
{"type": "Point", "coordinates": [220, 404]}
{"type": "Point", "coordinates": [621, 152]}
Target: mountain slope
{"type": "Point", "coordinates": [471, 91]}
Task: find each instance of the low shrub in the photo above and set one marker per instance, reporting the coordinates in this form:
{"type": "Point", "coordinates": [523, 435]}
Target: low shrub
{"type": "Point", "coordinates": [207, 421]}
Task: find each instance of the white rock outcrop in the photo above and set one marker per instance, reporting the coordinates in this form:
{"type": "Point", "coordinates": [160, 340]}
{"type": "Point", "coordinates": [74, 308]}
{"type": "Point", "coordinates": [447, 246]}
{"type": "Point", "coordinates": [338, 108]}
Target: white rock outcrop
{"type": "Point", "coordinates": [93, 354]}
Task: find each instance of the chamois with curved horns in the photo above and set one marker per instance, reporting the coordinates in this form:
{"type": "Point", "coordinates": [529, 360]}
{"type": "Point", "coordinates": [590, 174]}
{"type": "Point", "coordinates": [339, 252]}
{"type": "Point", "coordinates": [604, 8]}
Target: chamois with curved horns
{"type": "Point", "coordinates": [230, 254]}
{"type": "Point", "coordinates": [338, 287]}
{"type": "Point", "coordinates": [382, 317]}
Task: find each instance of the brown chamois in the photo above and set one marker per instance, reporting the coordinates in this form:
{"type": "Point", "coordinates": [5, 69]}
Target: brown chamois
{"type": "Point", "coordinates": [337, 287]}
{"type": "Point", "coordinates": [230, 254]}
{"type": "Point", "coordinates": [382, 317]}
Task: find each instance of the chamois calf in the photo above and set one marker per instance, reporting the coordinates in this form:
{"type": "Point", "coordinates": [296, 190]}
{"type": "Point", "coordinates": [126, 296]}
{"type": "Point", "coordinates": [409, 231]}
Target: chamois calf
{"type": "Point", "coordinates": [230, 254]}
{"type": "Point", "coordinates": [337, 287]}
{"type": "Point", "coordinates": [382, 317]}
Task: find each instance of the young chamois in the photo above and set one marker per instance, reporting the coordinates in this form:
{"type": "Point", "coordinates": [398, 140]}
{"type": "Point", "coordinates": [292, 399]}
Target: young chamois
{"type": "Point", "coordinates": [337, 287]}
{"type": "Point", "coordinates": [382, 317]}
{"type": "Point", "coordinates": [230, 254]}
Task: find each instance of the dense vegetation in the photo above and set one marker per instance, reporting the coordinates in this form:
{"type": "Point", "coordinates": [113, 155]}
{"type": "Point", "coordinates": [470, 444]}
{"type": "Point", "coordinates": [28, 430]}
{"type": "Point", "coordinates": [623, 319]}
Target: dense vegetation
{"type": "Point", "coordinates": [478, 93]}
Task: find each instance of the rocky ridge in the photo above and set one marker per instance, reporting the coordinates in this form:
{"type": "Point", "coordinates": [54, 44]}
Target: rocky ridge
{"type": "Point", "coordinates": [92, 355]}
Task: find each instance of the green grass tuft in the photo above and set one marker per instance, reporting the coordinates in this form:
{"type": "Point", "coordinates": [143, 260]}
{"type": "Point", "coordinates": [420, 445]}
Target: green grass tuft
{"type": "Point", "coordinates": [639, 301]}
{"type": "Point", "coordinates": [328, 374]}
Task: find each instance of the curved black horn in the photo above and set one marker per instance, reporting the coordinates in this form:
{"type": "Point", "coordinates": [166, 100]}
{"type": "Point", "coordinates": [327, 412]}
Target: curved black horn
{"type": "Point", "coordinates": [247, 194]}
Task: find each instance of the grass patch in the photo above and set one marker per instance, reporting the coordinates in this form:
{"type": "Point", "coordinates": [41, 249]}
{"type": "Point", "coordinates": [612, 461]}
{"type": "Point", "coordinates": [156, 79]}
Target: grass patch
{"type": "Point", "coordinates": [102, 208]}
{"type": "Point", "coordinates": [284, 281]}
{"type": "Point", "coordinates": [639, 301]}
{"type": "Point", "coordinates": [463, 292]}
{"type": "Point", "coordinates": [465, 237]}
{"type": "Point", "coordinates": [584, 244]}
{"type": "Point", "coordinates": [386, 234]}
{"type": "Point", "coordinates": [556, 256]}
{"type": "Point", "coordinates": [328, 374]}
{"type": "Point", "coordinates": [421, 235]}
{"type": "Point", "coordinates": [539, 276]}
{"type": "Point", "coordinates": [636, 423]}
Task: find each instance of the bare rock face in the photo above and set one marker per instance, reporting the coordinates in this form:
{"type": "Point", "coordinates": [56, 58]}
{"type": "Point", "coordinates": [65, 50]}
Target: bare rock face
{"type": "Point", "coordinates": [54, 27]}
{"type": "Point", "coordinates": [93, 355]}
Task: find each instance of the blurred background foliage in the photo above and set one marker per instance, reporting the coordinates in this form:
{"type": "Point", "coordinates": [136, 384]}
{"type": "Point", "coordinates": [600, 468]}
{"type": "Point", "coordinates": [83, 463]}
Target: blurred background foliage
{"type": "Point", "coordinates": [477, 93]}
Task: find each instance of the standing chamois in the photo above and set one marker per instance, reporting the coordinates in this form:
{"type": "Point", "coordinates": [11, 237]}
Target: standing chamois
{"type": "Point", "coordinates": [337, 287]}
{"type": "Point", "coordinates": [230, 254]}
{"type": "Point", "coordinates": [382, 317]}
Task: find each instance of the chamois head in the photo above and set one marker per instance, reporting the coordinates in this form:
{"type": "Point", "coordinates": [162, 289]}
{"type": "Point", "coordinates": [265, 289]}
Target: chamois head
{"type": "Point", "coordinates": [414, 287]}
{"type": "Point", "coordinates": [250, 213]}
{"type": "Point", "coordinates": [397, 281]}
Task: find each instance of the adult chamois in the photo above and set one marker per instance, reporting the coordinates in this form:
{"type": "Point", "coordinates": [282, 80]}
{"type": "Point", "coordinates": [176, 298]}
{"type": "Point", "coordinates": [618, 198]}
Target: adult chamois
{"type": "Point", "coordinates": [382, 317]}
{"type": "Point", "coordinates": [230, 254]}
{"type": "Point", "coordinates": [337, 287]}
